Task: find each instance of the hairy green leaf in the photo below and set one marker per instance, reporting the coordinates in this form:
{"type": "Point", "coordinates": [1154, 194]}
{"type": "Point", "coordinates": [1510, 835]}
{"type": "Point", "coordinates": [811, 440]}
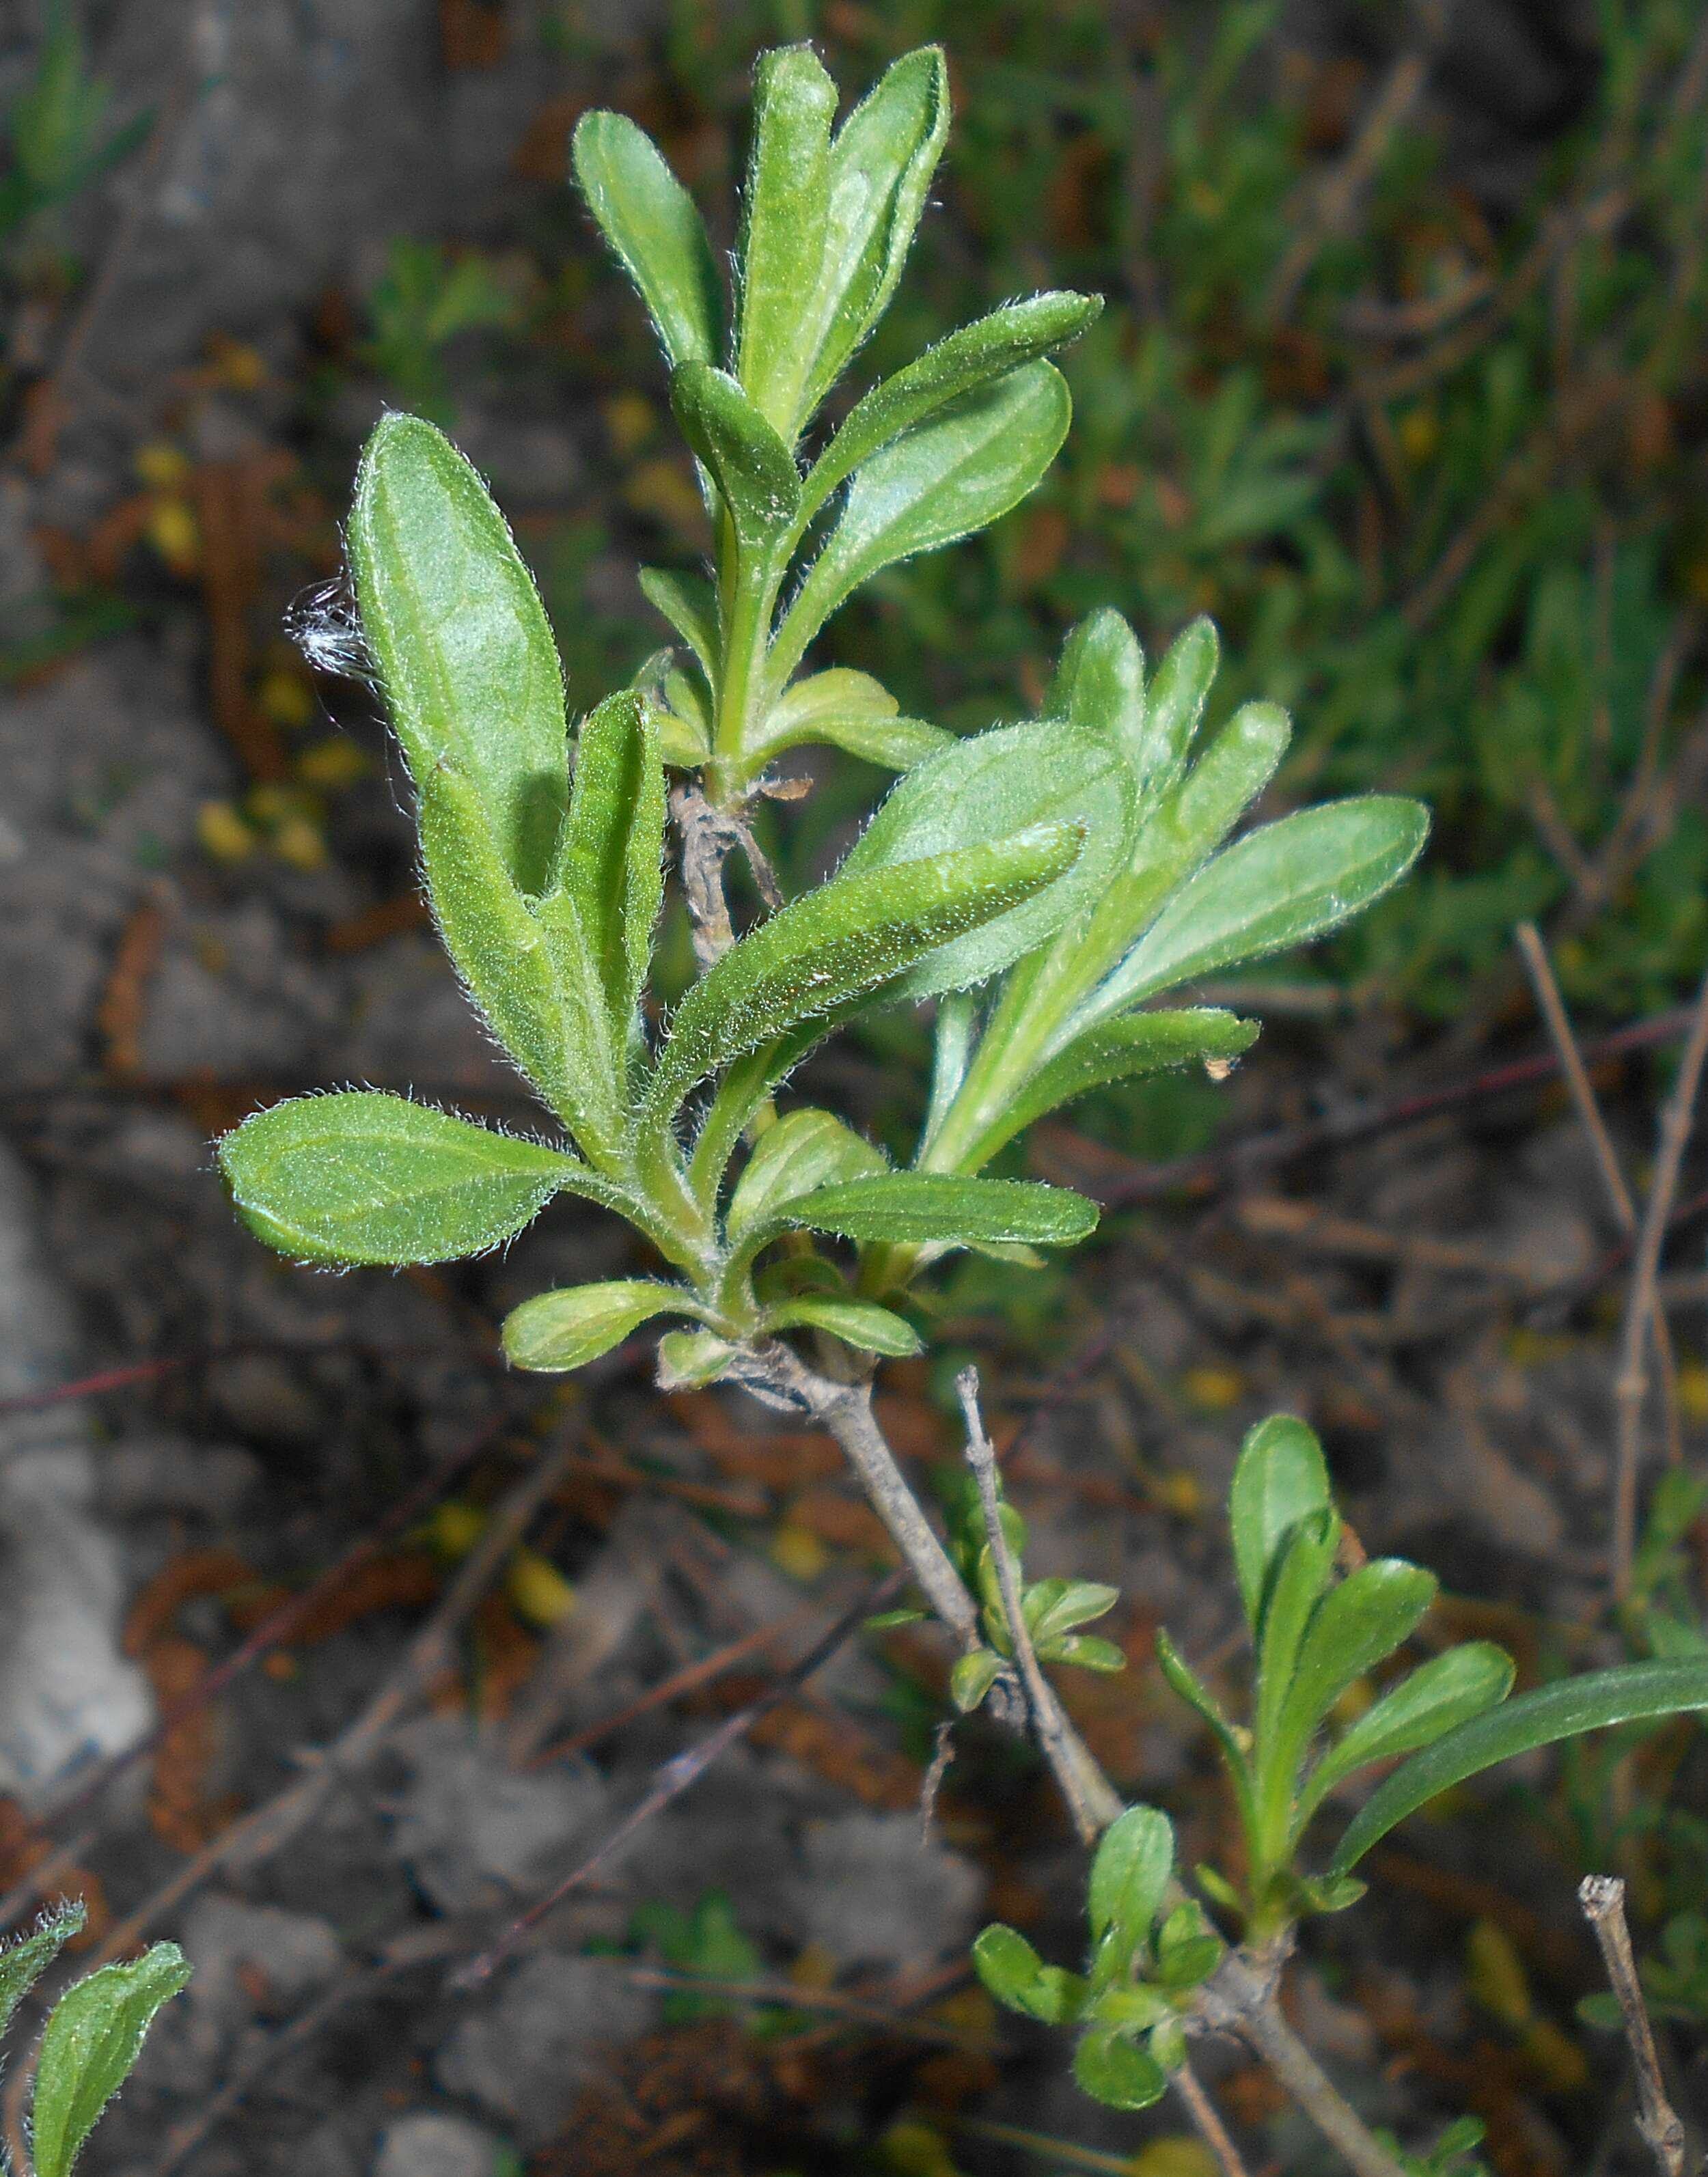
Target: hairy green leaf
{"type": "Point", "coordinates": [557, 1331]}
{"type": "Point", "coordinates": [985, 788]}
{"type": "Point", "coordinates": [880, 166]}
{"type": "Point", "coordinates": [1018, 332]}
{"type": "Point", "coordinates": [1356, 1626]}
{"type": "Point", "coordinates": [23, 1963]}
{"type": "Point", "coordinates": [1175, 705]}
{"type": "Point", "coordinates": [688, 603]}
{"type": "Point", "coordinates": [1099, 681]}
{"type": "Point", "coordinates": [851, 935]}
{"type": "Point", "coordinates": [1632, 1694]}
{"type": "Point", "coordinates": [650, 222]}
{"type": "Point", "coordinates": [460, 638]}
{"type": "Point", "coordinates": [1169, 844]}
{"type": "Point", "coordinates": [973, 1676]}
{"type": "Point", "coordinates": [90, 2047]}
{"type": "Point", "coordinates": [365, 1177]}
{"type": "Point", "coordinates": [1447, 1691]}
{"type": "Point", "coordinates": [1283, 884]}
{"type": "Point", "coordinates": [785, 212]}
{"type": "Point", "coordinates": [857, 1322]}
{"type": "Point", "coordinates": [1053, 1608]}
{"type": "Point", "coordinates": [530, 978]}
{"type": "Point", "coordinates": [923, 1208]}
{"type": "Point", "coordinates": [952, 474]}
{"type": "Point", "coordinates": [689, 1360]}
{"type": "Point", "coordinates": [1198, 1696]}
{"type": "Point", "coordinates": [1279, 1478]}
{"type": "Point", "coordinates": [1125, 1050]}
{"type": "Point", "coordinates": [1115, 2071]}
{"type": "Point", "coordinates": [610, 869]}
{"type": "Point", "coordinates": [1130, 1873]}
{"type": "Point", "coordinates": [847, 710]}
{"type": "Point", "coordinates": [753, 470]}
{"type": "Point", "coordinates": [1015, 1974]}
{"type": "Point", "coordinates": [1304, 1566]}
{"type": "Point", "coordinates": [807, 1149]}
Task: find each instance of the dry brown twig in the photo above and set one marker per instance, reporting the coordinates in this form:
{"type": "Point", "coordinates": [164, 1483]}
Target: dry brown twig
{"type": "Point", "coordinates": [1631, 1384]}
{"type": "Point", "coordinates": [1067, 1762]}
{"type": "Point", "coordinates": [1553, 1011]}
{"type": "Point", "coordinates": [1602, 1898]}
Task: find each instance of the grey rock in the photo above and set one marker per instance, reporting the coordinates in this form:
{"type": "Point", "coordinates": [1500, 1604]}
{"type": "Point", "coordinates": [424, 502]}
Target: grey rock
{"type": "Point", "coordinates": [66, 1693]}
{"type": "Point", "coordinates": [872, 1893]}
{"type": "Point", "coordinates": [429, 2144]}
{"type": "Point", "coordinates": [476, 1834]}
{"type": "Point", "coordinates": [294, 1953]}
{"type": "Point", "coordinates": [526, 2058]}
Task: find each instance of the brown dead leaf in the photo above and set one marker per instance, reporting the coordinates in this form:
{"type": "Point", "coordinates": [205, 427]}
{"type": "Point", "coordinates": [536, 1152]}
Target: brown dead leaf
{"type": "Point", "coordinates": [844, 1522]}
{"type": "Point", "coordinates": [22, 1846]}
{"type": "Point", "coordinates": [196, 1572]}
{"type": "Point", "coordinates": [179, 1811]}
{"type": "Point", "coordinates": [123, 1011]}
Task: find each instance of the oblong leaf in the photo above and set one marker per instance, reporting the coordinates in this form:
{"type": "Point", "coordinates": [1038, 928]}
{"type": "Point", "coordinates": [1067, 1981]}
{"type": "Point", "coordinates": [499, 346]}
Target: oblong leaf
{"type": "Point", "coordinates": [920, 1208]}
{"type": "Point", "coordinates": [1018, 332]}
{"type": "Point", "coordinates": [880, 166]}
{"type": "Point", "coordinates": [955, 473]}
{"type": "Point", "coordinates": [1356, 1626]}
{"type": "Point", "coordinates": [1304, 1566]}
{"type": "Point", "coordinates": [558, 1331]}
{"type": "Point", "coordinates": [1169, 844]}
{"type": "Point", "coordinates": [1129, 1049]}
{"type": "Point", "coordinates": [1175, 707]}
{"type": "Point", "coordinates": [857, 1322]}
{"type": "Point", "coordinates": [464, 649]}
{"type": "Point", "coordinates": [363, 1177]}
{"type": "Point", "coordinates": [1632, 1694]}
{"type": "Point", "coordinates": [995, 783]}
{"type": "Point", "coordinates": [534, 982]}
{"type": "Point", "coordinates": [1279, 1478]}
{"type": "Point", "coordinates": [1015, 1974]}
{"type": "Point", "coordinates": [609, 862]}
{"type": "Point", "coordinates": [90, 2047]}
{"type": "Point", "coordinates": [849, 709]}
{"type": "Point", "coordinates": [653, 229]}
{"type": "Point", "coordinates": [1282, 886]}
{"type": "Point", "coordinates": [785, 208]}
{"type": "Point", "coordinates": [850, 936]}
{"type": "Point", "coordinates": [753, 470]}
{"type": "Point", "coordinates": [1446, 1691]}
{"type": "Point", "coordinates": [1099, 681]}
{"type": "Point", "coordinates": [688, 603]}
{"type": "Point", "coordinates": [1115, 2072]}
{"type": "Point", "coordinates": [1130, 1873]}
{"type": "Point", "coordinates": [805, 1150]}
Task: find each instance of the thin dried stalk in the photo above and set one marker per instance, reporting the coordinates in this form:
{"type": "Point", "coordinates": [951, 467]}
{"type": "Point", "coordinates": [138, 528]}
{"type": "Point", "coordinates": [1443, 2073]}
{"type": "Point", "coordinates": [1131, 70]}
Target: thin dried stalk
{"type": "Point", "coordinates": [1602, 1898]}
{"type": "Point", "coordinates": [1630, 1386]}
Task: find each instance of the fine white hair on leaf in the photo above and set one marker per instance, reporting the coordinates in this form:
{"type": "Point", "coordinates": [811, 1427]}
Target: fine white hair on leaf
{"type": "Point", "coordinates": [323, 624]}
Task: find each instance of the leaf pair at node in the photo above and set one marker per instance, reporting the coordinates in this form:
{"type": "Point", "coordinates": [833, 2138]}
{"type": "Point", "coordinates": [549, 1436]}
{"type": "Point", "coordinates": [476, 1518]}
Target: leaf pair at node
{"type": "Point", "coordinates": [1054, 1609]}
{"type": "Point", "coordinates": [1151, 1949]}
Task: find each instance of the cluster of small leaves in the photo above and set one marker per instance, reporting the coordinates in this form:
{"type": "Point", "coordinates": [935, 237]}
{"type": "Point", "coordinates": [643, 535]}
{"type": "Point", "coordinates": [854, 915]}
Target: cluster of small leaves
{"type": "Point", "coordinates": [1054, 1609]}
{"type": "Point", "coordinates": [1316, 1633]}
{"type": "Point", "coordinates": [1151, 1949]}
{"type": "Point", "coordinates": [94, 2033]}
{"type": "Point", "coordinates": [1040, 882]}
